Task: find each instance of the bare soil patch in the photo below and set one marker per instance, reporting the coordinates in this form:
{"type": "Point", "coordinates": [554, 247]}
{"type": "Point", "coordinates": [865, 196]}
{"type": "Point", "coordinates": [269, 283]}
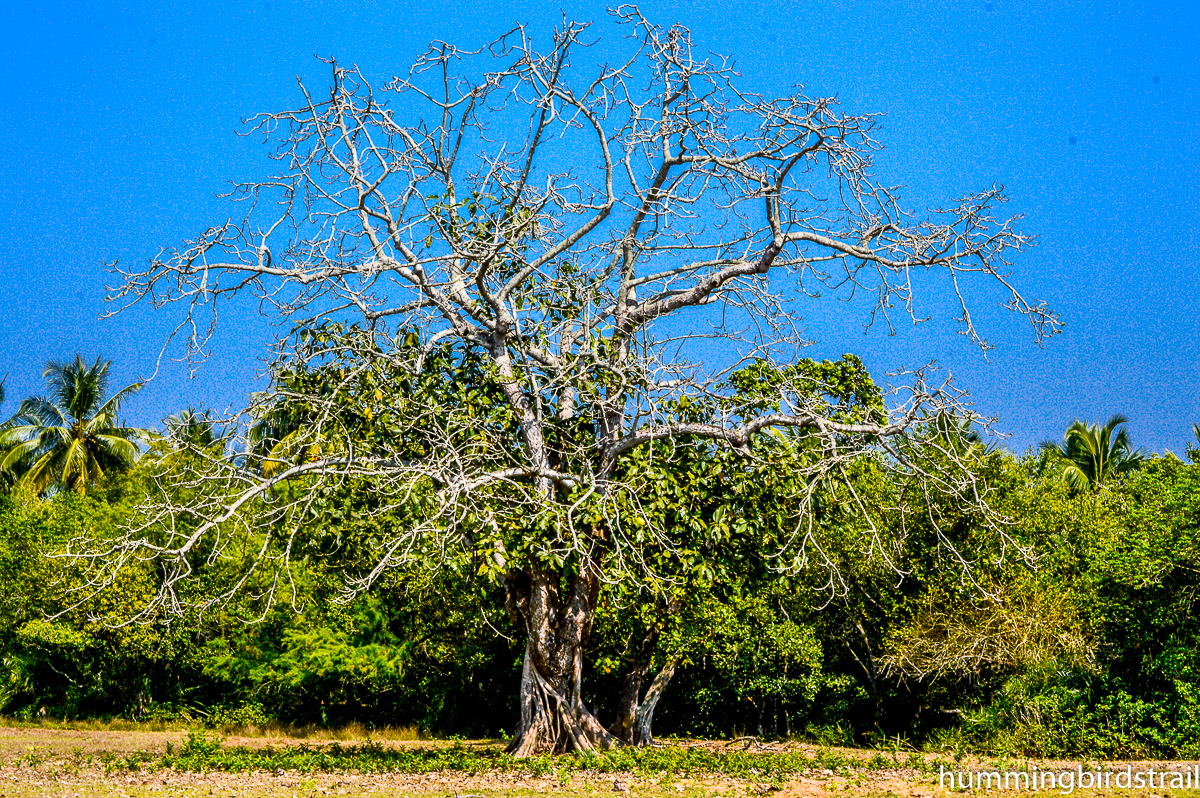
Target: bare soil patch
{"type": "Point", "coordinates": [20, 782]}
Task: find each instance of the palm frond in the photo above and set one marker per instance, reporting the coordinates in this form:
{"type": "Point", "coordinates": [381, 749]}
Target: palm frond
{"type": "Point", "coordinates": [113, 405]}
{"type": "Point", "coordinates": [1092, 454]}
{"type": "Point", "coordinates": [123, 449]}
{"type": "Point", "coordinates": [193, 428]}
{"type": "Point", "coordinates": [17, 454]}
{"type": "Point", "coordinates": [73, 438]}
{"type": "Point", "coordinates": [42, 472]}
{"type": "Point", "coordinates": [42, 412]}
{"type": "Point", "coordinates": [78, 387]}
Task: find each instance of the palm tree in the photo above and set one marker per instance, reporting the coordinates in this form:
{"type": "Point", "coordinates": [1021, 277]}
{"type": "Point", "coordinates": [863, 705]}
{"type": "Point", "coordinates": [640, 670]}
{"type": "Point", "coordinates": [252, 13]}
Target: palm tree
{"type": "Point", "coordinates": [193, 429]}
{"type": "Point", "coordinates": [1091, 455]}
{"type": "Point", "coordinates": [6, 439]}
{"type": "Point", "coordinates": [73, 438]}
{"type": "Point", "coordinates": [960, 433]}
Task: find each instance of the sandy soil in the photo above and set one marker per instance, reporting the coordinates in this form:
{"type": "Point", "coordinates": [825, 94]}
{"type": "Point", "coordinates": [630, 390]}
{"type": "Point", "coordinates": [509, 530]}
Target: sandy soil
{"type": "Point", "coordinates": [24, 781]}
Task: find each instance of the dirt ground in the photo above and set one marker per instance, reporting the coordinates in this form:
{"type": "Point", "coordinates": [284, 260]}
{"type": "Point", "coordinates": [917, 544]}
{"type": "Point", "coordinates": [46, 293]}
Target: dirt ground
{"type": "Point", "coordinates": [21, 782]}
{"type": "Point", "coordinates": [46, 762]}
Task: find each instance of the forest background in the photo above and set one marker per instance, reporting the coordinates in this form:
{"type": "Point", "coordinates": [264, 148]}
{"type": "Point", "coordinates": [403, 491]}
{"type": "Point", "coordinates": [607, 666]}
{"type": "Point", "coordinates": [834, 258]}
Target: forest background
{"type": "Point", "coordinates": [1087, 646]}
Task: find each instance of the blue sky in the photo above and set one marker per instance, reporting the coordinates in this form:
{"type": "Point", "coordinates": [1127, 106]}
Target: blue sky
{"type": "Point", "coordinates": [119, 125]}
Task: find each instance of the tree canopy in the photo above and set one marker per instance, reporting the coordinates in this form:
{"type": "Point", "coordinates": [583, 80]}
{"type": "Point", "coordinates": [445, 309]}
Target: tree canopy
{"type": "Point", "coordinates": [508, 271]}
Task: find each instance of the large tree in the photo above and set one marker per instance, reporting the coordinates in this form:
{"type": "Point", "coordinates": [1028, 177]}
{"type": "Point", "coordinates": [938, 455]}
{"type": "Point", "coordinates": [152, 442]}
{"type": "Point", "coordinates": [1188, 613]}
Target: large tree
{"type": "Point", "coordinates": [589, 238]}
{"type": "Point", "coordinates": [72, 438]}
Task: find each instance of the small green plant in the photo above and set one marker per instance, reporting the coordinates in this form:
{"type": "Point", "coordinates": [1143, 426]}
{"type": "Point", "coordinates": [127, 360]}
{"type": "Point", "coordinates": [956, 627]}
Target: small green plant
{"type": "Point", "coordinates": [79, 759]}
{"type": "Point", "coordinates": [33, 757]}
{"type": "Point", "coordinates": [832, 735]}
{"type": "Point", "coordinates": [199, 744]}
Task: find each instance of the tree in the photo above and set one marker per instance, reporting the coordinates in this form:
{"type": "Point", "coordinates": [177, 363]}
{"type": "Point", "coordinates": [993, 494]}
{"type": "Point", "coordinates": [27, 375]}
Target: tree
{"type": "Point", "coordinates": [587, 239]}
{"type": "Point", "coordinates": [7, 478]}
{"type": "Point", "coordinates": [73, 438]}
{"type": "Point", "coordinates": [81, 661]}
{"type": "Point", "coordinates": [1090, 455]}
{"type": "Point", "coordinates": [193, 429]}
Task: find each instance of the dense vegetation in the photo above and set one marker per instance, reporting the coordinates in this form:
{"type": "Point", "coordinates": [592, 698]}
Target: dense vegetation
{"type": "Point", "coordinates": [1074, 634]}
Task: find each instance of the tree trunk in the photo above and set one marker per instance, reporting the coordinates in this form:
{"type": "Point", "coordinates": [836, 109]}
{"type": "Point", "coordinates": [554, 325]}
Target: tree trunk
{"type": "Point", "coordinates": [553, 716]}
{"type": "Point", "coordinates": [645, 712]}
{"type": "Point", "coordinates": [637, 663]}
{"type": "Point", "coordinates": [758, 713]}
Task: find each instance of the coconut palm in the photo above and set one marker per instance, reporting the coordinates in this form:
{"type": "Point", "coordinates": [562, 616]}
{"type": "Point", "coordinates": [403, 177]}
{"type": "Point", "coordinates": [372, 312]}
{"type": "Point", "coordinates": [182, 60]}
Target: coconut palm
{"type": "Point", "coordinates": [960, 433]}
{"type": "Point", "coordinates": [1091, 455]}
{"type": "Point", "coordinates": [73, 438]}
{"type": "Point", "coordinates": [193, 429]}
{"type": "Point", "coordinates": [6, 440]}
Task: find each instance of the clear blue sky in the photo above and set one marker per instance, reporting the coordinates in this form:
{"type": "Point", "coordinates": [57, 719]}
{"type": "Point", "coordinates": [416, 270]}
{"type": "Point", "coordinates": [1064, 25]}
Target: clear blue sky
{"type": "Point", "coordinates": [119, 120]}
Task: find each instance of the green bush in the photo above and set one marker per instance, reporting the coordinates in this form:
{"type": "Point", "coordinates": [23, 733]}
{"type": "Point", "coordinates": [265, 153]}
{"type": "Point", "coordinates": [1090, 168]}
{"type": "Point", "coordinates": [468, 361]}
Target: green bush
{"type": "Point", "coordinates": [251, 714]}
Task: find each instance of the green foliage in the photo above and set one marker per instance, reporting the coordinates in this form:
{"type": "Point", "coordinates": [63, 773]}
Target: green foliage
{"type": "Point", "coordinates": [252, 714]}
{"type": "Point", "coordinates": [194, 429]}
{"type": "Point", "coordinates": [199, 745]}
{"type": "Point", "coordinates": [63, 651]}
{"type": "Point", "coordinates": [1119, 568]}
{"type": "Point", "coordinates": [72, 439]}
{"type": "Point", "coordinates": [1075, 633]}
{"type": "Point", "coordinates": [204, 752]}
{"type": "Point", "coordinates": [1090, 456]}
{"type": "Point", "coordinates": [748, 667]}
{"type": "Point", "coordinates": [842, 389]}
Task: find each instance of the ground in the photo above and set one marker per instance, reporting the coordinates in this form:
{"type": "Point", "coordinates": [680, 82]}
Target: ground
{"type": "Point", "coordinates": [80, 762]}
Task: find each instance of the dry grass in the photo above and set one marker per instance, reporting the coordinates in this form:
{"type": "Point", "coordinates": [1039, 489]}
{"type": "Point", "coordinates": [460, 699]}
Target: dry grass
{"type": "Point", "coordinates": [82, 739]}
{"type": "Point", "coordinates": [349, 732]}
{"type": "Point", "coordinates": [60, 762]}
{"type": "Point", "coordinates": [274, 730]}
{"type": "Point", "coordinates": [116, 724]}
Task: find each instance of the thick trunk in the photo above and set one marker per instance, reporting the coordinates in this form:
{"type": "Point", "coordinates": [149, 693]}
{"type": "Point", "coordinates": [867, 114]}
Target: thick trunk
{"type": "Point", "coordinates": [553, 716]}
{"type": "Point", "coordinates": [645, 712]}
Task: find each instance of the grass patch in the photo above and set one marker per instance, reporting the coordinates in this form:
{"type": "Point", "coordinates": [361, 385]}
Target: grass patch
{"type": "Point", "coordinates": [202, 752]}
{"type": "Point", "coordinates": [351, 731]}
{"type": "Point", "coordinates": [268, 730]}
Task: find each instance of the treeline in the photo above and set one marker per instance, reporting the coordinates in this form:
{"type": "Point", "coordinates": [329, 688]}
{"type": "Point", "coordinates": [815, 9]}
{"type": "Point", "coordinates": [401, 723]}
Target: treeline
{"type": "Point", "coordinates": [1071, 630]}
